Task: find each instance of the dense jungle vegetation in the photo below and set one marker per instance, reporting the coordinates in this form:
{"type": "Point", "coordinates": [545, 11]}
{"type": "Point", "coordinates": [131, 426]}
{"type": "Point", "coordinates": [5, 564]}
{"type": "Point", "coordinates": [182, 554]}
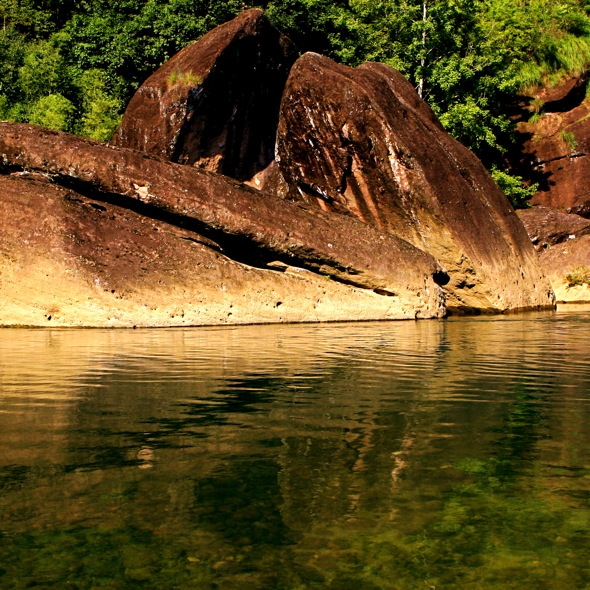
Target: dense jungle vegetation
{"type": "Point", "coordinates": [73, 65]}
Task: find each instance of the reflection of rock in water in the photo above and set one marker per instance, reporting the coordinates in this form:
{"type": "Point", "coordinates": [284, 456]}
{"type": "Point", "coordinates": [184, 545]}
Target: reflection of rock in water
{"type": "Point", "coordinates": [299, 443]}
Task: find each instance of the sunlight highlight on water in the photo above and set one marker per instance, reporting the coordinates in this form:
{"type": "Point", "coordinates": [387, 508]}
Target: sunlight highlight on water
{"type": "Point", "coordinates": [434, 454]}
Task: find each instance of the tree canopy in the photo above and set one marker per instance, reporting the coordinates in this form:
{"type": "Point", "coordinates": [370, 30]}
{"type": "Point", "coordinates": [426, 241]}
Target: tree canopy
{"type": "Point", "coordinates": [74, 65]}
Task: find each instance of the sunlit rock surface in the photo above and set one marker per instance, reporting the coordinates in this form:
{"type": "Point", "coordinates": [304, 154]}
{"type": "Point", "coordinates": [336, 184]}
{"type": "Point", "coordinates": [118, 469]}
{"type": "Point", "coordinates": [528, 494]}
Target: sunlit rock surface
{"type": "Point", "coordinates": [547, 226]}
{"type": "Point", "coordinates": [360, 142]}
{"type": "Point", "coordinates": [363, 207]}
{"type": "Point", "coordinates": [556, 146]}
{"type": "Point", "coordinates": [563, 242]}
{"type": "Point", "coordinates": [98, 236]}
{"type": "Point", "coordinates": [567, 266]}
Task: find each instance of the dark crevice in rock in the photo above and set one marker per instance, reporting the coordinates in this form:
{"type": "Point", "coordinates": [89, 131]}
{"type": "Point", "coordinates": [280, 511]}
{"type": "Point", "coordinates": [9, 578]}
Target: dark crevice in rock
{"type": "Point", "coordinates": [558, 158]}
{"type": "Point", "coordinates": [571, 100]}
{"type": "Point", "coordinates": [239, 248]}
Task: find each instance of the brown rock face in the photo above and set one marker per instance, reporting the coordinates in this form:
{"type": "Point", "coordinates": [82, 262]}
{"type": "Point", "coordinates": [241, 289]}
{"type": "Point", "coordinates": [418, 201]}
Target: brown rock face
{"type": "Point", "coordinates": [360, 142]}
{"type": "Point", "coordinates": [369, 210]}
{"type": "Point", "coordinates": [96, 235]}
{"type": "Point", "coordinates": [547, 227]}
{"type": "Point", "coordinates": [556, 149]}
{"type": "Point", "coordinates": [215, 104]}
{"type": "Point", "coordinates": [567, 258]}
{"type": "Point", "coordinates": [562, 240]}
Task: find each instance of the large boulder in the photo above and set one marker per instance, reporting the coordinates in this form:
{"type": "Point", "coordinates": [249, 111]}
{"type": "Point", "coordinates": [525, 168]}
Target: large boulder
{"type": "Point", "coordinates": [360, 142]}
{"type": "Point", "coordinates": [216, 103]}
{"type": "Point", "coordinates": [101, 236]}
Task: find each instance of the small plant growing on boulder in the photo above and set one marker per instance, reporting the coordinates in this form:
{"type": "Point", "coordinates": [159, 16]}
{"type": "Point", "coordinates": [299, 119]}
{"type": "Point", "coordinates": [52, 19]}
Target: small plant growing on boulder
{"type": "Point", "coordinates": [579, 276]}
{"type": "Point", "coordinates": [536, 106]}
{"type": "Point", "coordinates": [569, 139]}
{"type": "Point", "coordinates": [178, 78]}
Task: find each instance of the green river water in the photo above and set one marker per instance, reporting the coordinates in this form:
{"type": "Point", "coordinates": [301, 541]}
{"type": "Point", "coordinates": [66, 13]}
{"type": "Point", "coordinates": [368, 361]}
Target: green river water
{"type": "Point", "coordinates": [402, 455]}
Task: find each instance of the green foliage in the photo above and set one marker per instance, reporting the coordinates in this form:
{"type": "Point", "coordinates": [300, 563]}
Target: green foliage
{"type": "Point", "coordinates": [94, 54]}
{"type": "Point", "coordinates": [578, 276]}
{"type": "Point", "coordinates": [468, 58]}
{"type": "Point", "coordinates": [569, 139]}
{"type": "Point", "coordinates": [42, 70]}
{"type": "Point", "coordinates": [534, 118]}
{"type": "Point", "coordinates": [53, 111]}
{"type": "Point", "coordinates": [101, 112]}
{"type": "Point", "coordinates": [513, 187]}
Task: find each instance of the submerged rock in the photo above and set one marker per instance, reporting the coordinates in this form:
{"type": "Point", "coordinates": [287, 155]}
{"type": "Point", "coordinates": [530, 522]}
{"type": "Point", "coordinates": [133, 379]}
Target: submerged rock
{"type": "Point", "coordinates": [100, 236]}
{"type": "Point", "coordinates": [360, 142]}
{"type": "Point", "coordinates": [216, 103]}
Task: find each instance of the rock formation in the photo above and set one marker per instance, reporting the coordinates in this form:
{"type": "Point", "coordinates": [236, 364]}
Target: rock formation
{"type": "Point", "coordinates": [555, 154]}
{"type": "Point", "coordinates": [361, 142]}
{"type": "Point", "coordinates": [100, 236]}
{"type": "Point", "coordinates": [368, 211]}
{"type": "Point", "coordinates": [547, 226]}
{"type": "Point", "coordinates": [556, 146]}
{"type": "Point", "coordinates": [562, 240]}
{"type": "Point", "coordinates": [567, 266]}
{"type": "Point", "coordinates": [216, 103]}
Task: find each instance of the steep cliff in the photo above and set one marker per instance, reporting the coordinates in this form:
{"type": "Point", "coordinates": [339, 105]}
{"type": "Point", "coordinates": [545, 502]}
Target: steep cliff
{"type": "Point", "coordinates": [555, 148]}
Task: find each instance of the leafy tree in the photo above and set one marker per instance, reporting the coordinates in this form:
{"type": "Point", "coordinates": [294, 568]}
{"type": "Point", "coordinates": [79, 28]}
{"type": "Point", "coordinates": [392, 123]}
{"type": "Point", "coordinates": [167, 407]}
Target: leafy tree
{"type": "Point", "coordinates": [514, 188]}
{"type": "Point", "coordinates": [469, 59]}
{"type": "Point", "coordinates": [101, 112]}
{"type": "Point", "coordinates": [53, 111]}
{"type": "Point", "coordinates": [42, 70]}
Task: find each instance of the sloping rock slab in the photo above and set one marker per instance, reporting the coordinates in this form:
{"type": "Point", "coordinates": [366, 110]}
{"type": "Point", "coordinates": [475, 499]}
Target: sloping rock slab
{"type": "Point", "coordinates": [567, 258]}
{"type": "Point", "coordinates": [547, 227]}
{"type": "Point", "coordinates": [361, 142]}
{"type": "Point", "coordinates": [93, 223]}
{"type": "Point", "coordinates": [215, 104]}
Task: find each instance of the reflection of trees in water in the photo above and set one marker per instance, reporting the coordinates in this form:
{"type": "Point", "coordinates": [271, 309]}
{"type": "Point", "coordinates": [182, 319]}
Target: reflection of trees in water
{"type": "Point", "coordinates": [388, 444]}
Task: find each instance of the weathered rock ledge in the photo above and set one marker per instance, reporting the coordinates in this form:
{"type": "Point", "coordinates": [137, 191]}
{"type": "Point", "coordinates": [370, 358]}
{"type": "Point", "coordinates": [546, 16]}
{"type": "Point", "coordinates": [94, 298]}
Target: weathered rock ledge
{"type": "Point", "coordinates": [563, 242]}
{"type": "Point", "coordinates": [228, 253]}
{"type": "Point", "coordinates": [555, 150]}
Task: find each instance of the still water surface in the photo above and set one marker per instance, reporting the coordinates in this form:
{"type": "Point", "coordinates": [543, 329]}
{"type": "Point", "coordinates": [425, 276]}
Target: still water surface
{"type": "Point", "coordinates": [432, 454]}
